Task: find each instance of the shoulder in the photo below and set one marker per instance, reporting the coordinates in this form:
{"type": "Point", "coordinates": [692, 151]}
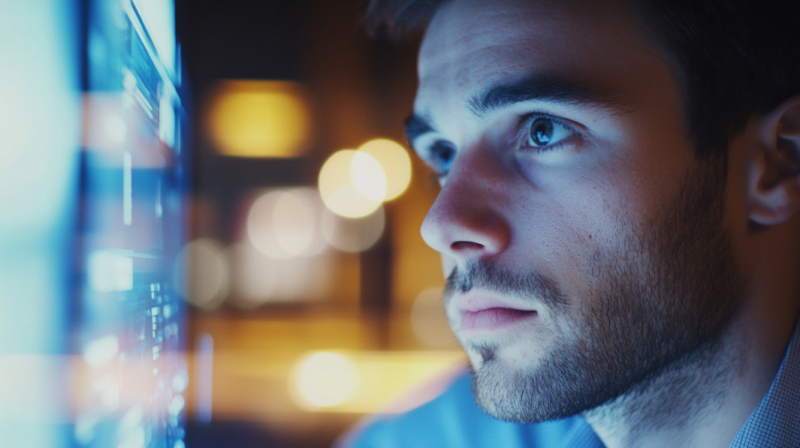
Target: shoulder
{"type": "Point", "coordinates": [451, 419]}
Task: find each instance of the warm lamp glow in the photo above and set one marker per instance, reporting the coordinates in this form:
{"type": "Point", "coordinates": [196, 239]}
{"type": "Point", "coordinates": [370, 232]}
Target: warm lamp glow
{"type": "Point", "coordinates": [353, 235]}
{"type": "Point", "coordinates": [259, 119]}
{"type": "Point", "coordinates": [325, 379]}
{"type": "Point", "coordinates": [387, 382]}
{"type": "Point", "coordinates": [352, 184]}
{"type": "Point", "coordinates": [257, 279]}
{"type": "Point", "coordinates": [368, 176]}
{"type": "Point", "coordinates": [294, 222]}
{"type": "Point", "coordinates": [395, 162]}
{"type": "Point", "coordinates": [206, 272]}
{"type": "Point", "coordinates": [283, 223]}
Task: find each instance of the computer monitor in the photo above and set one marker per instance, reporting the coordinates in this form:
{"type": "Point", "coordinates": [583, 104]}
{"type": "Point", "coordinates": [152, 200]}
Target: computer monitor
{"type": "Point", "coordinates": [130, 319]}
{"type": "Point", "coordinates": [93, 189]}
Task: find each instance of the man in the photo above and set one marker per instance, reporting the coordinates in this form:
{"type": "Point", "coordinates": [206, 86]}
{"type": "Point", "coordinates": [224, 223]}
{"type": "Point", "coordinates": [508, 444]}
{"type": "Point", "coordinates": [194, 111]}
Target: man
{"type": "Point", "coordinates": [617, 220]}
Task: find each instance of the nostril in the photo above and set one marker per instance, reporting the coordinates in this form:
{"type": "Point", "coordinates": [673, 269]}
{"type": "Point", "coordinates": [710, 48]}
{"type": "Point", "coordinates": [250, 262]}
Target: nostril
{"type": "Point", "coordinates": [466, 245]}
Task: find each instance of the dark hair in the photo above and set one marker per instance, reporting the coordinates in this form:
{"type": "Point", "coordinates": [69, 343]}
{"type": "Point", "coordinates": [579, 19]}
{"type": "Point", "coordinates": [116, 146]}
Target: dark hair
{"type": "Point", "coordinates": [734, 58]}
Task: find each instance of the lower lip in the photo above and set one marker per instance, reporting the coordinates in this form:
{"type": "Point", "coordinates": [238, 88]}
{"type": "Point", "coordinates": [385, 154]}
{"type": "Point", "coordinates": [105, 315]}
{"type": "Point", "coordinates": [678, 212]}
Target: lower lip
{"type": "Point", "coordinates": [493, 318]}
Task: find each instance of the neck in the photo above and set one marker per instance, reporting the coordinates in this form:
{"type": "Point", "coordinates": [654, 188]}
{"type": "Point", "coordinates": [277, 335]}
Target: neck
{"type": "Point", "coordinates": [701, 400]}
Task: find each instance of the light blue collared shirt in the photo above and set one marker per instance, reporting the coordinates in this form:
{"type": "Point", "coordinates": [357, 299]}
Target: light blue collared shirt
{"type": "Point", "coordinates": [776, 420]}
{"type": "Point", "coordinates": [454, 420]}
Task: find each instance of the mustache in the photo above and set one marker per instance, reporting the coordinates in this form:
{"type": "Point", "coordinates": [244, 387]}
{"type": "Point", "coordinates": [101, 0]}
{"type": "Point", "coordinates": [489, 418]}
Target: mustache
{"type": "Point", "coordinates": [488, 275]}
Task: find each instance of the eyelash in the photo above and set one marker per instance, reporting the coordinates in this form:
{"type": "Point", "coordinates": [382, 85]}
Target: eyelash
{"type": "Point", "coordinates": [525, 122]}
{"type": "Point", "coordinates": [435, 153]}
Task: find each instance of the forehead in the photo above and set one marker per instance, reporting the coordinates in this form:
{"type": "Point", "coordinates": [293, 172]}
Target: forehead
{"type": "Point", "coordinates": [472, 44]}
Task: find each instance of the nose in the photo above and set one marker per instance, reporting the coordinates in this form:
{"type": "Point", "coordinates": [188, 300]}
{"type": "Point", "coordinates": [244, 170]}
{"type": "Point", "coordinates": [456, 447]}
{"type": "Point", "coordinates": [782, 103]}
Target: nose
{"type": "Point", "coordinates": [467, 219]}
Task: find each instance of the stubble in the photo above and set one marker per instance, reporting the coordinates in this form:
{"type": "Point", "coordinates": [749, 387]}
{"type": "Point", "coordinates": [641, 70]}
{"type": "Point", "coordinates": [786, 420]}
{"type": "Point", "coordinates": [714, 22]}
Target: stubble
{"type": "Point", "coordinates": [660, 296]}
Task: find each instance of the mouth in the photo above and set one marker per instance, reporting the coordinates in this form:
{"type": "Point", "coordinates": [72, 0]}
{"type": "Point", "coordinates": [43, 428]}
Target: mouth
{"type": "Point", "coordinates": [494, 318]}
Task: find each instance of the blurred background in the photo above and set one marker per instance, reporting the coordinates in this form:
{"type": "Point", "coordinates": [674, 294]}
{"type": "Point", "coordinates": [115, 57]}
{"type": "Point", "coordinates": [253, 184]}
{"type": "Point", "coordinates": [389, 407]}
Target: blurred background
{"type": "Point", "coordinates": [322, 307]}
{"type": "Point", "coordinates": [209, 225]}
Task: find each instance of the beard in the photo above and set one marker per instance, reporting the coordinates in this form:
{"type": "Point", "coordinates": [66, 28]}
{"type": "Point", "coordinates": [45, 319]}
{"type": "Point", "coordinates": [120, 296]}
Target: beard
{"type": "Point", "coordinates": [659, 297]}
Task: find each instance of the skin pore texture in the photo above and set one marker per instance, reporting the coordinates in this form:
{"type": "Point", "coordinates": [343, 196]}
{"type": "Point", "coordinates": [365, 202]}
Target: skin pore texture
{"type": "Point", "coordinates": [637, 285]}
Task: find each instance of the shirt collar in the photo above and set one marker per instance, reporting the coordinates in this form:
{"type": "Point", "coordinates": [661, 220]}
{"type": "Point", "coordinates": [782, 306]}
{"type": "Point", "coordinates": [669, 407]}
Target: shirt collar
{"type": "Point", "coordinates": [774, 423]}
{"type": "Point", "coordinates": [776, 420]}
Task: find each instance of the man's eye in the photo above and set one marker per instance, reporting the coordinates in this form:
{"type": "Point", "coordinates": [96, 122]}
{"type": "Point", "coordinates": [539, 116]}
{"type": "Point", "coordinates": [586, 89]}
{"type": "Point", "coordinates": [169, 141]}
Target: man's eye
{"type": "Point", "coordinates": [545, 132]}
{"type": "Point", "coordinates": [441, 157]}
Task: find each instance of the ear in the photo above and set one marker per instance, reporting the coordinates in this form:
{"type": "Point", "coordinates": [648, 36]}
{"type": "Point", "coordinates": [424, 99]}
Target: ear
{"type": "Point", "coordinates": [775, 187]}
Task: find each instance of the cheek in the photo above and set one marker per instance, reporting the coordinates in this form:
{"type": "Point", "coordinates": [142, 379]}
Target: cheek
{"type": "Point", "coordinates": [562, 231]}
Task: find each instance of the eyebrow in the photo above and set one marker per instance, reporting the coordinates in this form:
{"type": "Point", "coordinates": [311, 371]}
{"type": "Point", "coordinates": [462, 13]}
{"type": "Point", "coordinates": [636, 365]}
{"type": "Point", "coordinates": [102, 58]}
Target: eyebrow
{"type": "Point", "coordinates": [539, 88]}
{"type": "Point", "coordinates": [532, 88]}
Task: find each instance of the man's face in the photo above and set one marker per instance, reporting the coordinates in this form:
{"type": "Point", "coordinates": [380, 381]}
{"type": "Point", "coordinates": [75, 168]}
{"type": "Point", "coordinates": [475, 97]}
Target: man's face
{"type": "Point", "coordinates": [584, 243]}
